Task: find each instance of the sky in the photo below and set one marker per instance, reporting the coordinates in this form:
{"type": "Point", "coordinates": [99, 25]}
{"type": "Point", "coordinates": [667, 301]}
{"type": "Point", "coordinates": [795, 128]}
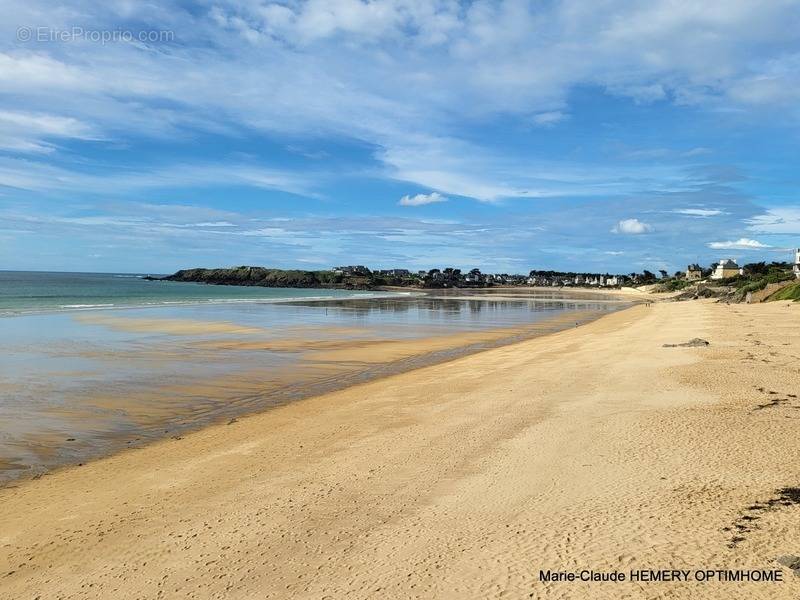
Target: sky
{"type": "Point", "coordinates": [603, 136]}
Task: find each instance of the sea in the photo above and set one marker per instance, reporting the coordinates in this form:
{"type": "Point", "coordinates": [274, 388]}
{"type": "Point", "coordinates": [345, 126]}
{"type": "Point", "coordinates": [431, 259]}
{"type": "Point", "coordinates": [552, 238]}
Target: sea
{"type": "Point", "coordinates": [25, 292]}
{"type": "Point", "coordinates": [94, 363]}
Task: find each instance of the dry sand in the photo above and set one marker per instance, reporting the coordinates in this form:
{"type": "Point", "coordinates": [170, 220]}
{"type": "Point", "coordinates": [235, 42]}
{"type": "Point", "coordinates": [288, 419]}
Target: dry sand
{"type": "Point", "coordinates": [592, 448]}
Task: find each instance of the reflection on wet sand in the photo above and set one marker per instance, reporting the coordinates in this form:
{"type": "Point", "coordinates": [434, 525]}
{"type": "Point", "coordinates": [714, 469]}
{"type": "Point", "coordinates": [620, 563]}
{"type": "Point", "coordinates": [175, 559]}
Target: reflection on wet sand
{"type": "Point", "coordinates": [166, 326]}
{"type": "Point", "coordinates": [135, 377]}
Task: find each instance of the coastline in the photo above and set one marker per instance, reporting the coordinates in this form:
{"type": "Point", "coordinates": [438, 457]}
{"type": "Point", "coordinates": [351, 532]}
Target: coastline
{"type": "Point", "coordinates": [593, 447]}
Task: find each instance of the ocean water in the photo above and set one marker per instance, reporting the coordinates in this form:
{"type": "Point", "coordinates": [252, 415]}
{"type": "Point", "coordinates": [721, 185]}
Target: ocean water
{"type": "Point", "coordinates": [94, 363]}
{"type": "Point", "coordinates": [27, 292]}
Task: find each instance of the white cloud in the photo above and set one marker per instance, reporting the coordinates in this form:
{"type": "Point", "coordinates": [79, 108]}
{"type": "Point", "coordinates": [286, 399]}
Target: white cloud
{"type": "Point", "coordinates": [209, 224]}
{"type": "Point", "coordinates": [42, 177]}
{"type": "Point", "coordinates": [699, 212]}
{"type": "Point", "coordinates": [631, 227]}
{"type": "Point", "coordinates": [548, 119]}
{"type": "Point", "coordinates": [777, 220]}
{"type": "Point", "coordinates": [740, 244]}
{"type": "Point", "coordinates": [44, 123]}
{"type": "Point", "coordinates": [30, 132]}
{"type": "Point", "coordinates": [459, 168]}
{"type": "Point", "coordinates": [422, 199]}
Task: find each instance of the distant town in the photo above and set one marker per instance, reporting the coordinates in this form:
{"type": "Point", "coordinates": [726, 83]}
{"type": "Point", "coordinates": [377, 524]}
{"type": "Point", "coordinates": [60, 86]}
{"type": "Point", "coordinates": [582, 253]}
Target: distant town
{"type": "Point", "coordinates": [452, 277]}
{"type": "Point", "coordinates": [724, 269]}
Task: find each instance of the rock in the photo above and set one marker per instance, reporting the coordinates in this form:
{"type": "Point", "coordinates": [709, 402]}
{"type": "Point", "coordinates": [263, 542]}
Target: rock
{"type": "Point", "coordinates": [793, 562]}
{"type": "Point", "coordinates": [693, 343]}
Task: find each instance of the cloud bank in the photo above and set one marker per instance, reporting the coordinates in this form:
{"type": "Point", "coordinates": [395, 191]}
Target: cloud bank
{"type": "Point", "coordinates": [322, 67]}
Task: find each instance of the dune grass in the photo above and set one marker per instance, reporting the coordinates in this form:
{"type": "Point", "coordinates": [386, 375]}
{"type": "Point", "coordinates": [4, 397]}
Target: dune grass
{"type": "Point", "coordinates": [790, 292]}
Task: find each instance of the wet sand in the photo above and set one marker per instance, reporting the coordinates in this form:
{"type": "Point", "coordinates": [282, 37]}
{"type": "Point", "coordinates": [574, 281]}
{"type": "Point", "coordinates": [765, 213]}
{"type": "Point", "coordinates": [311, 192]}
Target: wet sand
{"type": "Point", "coordinates": [592, 448]}
{"type": "Point", "coordinates": [167, 326]}
{"type": "Point", "coordinates": [80, 386]}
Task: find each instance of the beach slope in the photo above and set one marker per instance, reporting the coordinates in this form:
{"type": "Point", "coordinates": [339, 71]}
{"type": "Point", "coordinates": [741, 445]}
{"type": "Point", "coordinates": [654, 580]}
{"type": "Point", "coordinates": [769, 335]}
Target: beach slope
{"type": "Point", "coordinates": [592, 448]}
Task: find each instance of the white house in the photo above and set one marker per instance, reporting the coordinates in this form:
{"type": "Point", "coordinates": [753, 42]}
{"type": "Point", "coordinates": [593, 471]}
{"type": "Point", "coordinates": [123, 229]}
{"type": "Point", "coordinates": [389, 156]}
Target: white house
{"type": "Point", "coordinates": [726, 268]}
{"type": "Point", "coordinates": [796, 267]}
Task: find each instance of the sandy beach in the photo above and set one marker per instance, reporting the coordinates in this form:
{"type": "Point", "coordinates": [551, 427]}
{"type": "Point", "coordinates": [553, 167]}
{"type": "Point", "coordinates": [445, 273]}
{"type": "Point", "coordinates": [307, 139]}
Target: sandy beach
{"type": "Point", "coordinates": [591, 448]}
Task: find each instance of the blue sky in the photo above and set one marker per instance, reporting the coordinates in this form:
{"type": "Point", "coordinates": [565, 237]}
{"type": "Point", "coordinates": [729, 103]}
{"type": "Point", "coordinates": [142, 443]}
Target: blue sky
{"type": "Point", "coordinates": [591, 136]}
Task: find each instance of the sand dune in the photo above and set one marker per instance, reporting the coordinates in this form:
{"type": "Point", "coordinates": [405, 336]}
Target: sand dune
{"type": "Point", "coordinates": [593, 448]}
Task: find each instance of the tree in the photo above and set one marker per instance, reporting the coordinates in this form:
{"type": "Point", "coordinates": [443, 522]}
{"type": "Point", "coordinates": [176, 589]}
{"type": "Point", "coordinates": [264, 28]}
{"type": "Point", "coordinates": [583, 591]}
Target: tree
{"type": "Point", "coordinates": [759, 268]}
{"type": "Point", "coordinates": [452, 274]}
{"type": "Point", "coordinates": [648, 277]}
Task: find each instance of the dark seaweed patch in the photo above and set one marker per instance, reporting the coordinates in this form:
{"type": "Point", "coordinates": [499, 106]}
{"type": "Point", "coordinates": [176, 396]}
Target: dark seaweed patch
{"type": "Point", "coordinates": [771, 404]}
{"type": "Point", "coordinates": [748, 520]}
{"type": "Point", "coordinates": [773, 399]}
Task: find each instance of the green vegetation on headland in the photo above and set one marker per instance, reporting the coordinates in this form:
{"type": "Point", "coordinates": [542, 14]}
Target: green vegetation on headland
{"type": "Point", "coordinates": [790, 292]}
{"type": "Point", "coordinates": [757, 280]}
{"type": "Point", "coordinates": [743, 286]}
{"type": "Point", "coordinates": [260, 276]}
